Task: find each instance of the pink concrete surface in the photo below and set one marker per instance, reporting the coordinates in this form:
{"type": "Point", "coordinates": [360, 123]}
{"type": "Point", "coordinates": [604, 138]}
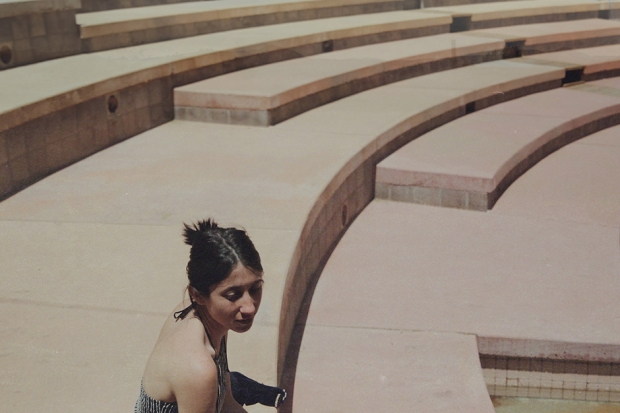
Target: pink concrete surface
{"type": "Point", "coordinates": [476, 152]}
{"type": "Point", "coordinates": [535, 34]}
{"type": "Point", "coordinates": [271, 86]}
{"type": "Point", "coordinates": [593, 59]}
{"type": "Point", "coordinates": [579, 183]}
{"type": "Point", "coordinates": [536, 276]}
{"type": "Point", "coordinates": [374, 370]}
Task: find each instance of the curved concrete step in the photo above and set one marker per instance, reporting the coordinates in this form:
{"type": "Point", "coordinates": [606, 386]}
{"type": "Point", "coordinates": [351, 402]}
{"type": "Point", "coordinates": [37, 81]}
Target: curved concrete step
{"type": "Point", "coordinates": [269, 94]}
{"type": "Point", "coordinates": [110, 96]}
{"type": "Point", "coordinates": [296, 187]}
{"type": "Point", "coordinates": [470, 162]}
{"type": "Point", "coordinates": [37, 30]}
{"type": "Point", "coordinates": [510, 13]}
{"type": "Point", "coordinates": [534, 279]}
{"type": "Point", "coordinates": [98, 5]}
{"type": "Point", "coordinates": [129, 27]}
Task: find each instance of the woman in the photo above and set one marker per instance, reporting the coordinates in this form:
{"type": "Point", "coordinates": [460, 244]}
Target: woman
{"type": "Point", "coordinates": [187, 371]}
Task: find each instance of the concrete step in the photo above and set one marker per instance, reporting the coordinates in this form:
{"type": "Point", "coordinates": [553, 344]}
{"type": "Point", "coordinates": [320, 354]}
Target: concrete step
{"type": "Point", "coordinates": [98, 5]}
{"type": "Point", "coordinates": [113, 95]}
{"type": "Point", "coordinates": [37, 30]}
{"type": "Point", "coordinates": [470, 162]}
{"type": "Point", "coordinates": [267, 95]}
{"type": "Point", "coordinates": [128, 27]}
{"type": "Point", "coordinates": [510, 13]}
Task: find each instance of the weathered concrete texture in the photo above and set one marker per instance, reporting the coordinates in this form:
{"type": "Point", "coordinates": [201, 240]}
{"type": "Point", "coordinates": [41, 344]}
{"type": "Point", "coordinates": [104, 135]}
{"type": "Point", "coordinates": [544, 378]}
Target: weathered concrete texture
{"type": "Point", "coordinates": [35, 31]}
{"type": "Point", "coordinates": [272, 93]}
{"type": "Point", "coordinates": [508, 13]}
{"type": "Point", "coordinates": [98, 5]}
{"type": "Point", "coordinates": [534, 277]}
{"type": "Point", "coordinates": [480, 155]}
{"type": "Point", "coordinates": [129, 27]}
{"type": "Point", "coordinates": [590, 63]}
{"type": "Point", "coordinates": [118, 94]}
{"type": "Point", "coordinates": [269, 94]}
{"type": "Point", "coordinates": [374, 370]}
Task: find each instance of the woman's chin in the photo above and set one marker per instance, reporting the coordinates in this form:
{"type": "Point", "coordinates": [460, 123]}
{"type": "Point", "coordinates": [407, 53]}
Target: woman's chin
{"type": "Point", "coordinates": [242, 326]}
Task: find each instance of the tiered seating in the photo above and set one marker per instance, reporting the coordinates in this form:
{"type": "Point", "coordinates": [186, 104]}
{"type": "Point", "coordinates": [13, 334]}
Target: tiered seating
{"type": "Point", "coordinates": [470, 162]}
{"type": "Point", "coordinates": [98, 5]}
{"type": "Point", "coordinates": [113, 95]}
{"type": "Point", "coordinates": [266, 95]}
{"type": "Point", "coordinates": [295, 186]}
{"type": "Point", "coordinates": [37, 30]}
{"type": "Point", "coordinates": [120, 28]}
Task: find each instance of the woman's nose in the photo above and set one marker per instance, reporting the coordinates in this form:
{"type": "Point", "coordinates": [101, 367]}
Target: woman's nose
{"type": "Point", "coordinates": [247, 304]}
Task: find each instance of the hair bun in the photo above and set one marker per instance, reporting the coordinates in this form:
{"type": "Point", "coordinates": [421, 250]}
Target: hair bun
{"type": "Point", "coordinates": [195, 233]}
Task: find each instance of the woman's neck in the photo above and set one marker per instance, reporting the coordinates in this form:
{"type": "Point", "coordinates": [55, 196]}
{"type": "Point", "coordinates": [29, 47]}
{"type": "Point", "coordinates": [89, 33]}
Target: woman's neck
{"type": "Point", "coordinates": [214, 331]}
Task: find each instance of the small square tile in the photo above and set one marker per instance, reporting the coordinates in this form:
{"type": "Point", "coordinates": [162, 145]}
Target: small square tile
{"type": "Point", "coordinates": [546, 384]}
{"type": "Point", "coordinates": [545, 393]}
{"type": "Point", "coordinates": [21, 27]}
{"type": "Point", "coordinates": [557, 384]}
{"type": "Point", "coordinates": [603, 396]}
{"type": "Point", "coordinates": [500, 391]}
{"type": "Point", "coordinates": [558, 366]}
{"type": "Point", "coordinates": [614, 396]}
{"type": "Point", "coordinates": [511, 392]}
{"type": "Point", "coordinates": [568, 394]}
{"type": "Point", "coordinates": [512, 382]}
{"type": "Point", "coordinates": [580, 394]}
{"type": "Point", "coordinates": [581, 367]}
{"type": "Point", "coordinates": [556, 393]}
{"type": "Point", "coordinates": [37, 25]}
{"type": "Point", "coordinates": [533, 392]}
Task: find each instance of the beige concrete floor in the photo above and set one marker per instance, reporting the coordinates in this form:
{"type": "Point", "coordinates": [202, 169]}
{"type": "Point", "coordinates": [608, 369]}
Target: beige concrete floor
{"type": "Point", "coordinates": [543, 265]}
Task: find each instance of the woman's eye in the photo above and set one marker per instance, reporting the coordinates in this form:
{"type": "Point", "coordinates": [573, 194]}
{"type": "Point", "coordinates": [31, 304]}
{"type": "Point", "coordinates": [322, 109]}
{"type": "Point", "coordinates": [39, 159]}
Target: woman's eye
{"type": "Point", "coordinates": [232, 296]}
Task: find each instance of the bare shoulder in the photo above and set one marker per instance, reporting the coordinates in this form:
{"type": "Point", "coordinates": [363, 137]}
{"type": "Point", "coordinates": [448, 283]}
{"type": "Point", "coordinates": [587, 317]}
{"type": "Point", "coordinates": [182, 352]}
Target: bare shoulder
{"type": "Point", "coordinates": [193, 378]}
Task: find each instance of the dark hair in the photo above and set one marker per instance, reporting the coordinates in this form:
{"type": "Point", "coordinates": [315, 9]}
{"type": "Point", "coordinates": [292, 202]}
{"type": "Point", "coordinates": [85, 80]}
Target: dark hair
{"type": "Point", "coordinates": [214, 254]}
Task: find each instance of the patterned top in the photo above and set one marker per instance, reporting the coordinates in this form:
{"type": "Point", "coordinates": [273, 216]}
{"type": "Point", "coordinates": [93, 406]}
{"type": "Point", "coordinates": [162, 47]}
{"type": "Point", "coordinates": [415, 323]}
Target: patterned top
{"type": "Point", "coordinates": [146, 404]}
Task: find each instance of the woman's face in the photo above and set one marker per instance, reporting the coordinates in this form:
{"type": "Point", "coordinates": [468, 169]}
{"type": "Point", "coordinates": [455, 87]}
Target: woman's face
{"type": "Point", "coordinates": [234, 301]}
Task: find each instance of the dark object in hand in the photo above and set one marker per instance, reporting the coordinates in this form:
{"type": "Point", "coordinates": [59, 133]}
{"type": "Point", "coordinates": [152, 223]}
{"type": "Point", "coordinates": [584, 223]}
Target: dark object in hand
{"type": "Point", "coordinates": [248, 392]}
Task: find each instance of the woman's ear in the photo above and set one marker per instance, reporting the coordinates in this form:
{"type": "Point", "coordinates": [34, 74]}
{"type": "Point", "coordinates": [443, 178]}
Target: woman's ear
{"type": "Point", "coordinates": [196, 296]}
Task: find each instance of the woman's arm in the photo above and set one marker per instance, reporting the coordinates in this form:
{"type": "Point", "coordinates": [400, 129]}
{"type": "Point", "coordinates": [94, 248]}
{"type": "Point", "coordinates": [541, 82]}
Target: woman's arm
{"type": "Point", "coordinates": [196, 390]}
{"type": "Point", "coordinates": [230, 404]}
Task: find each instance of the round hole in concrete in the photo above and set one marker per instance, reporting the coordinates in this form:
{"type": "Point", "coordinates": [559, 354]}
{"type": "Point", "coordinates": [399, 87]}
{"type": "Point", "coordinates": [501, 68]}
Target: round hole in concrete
{"type": "Point", "coordinates": [112, 104]}
{"type": "Point", "coordinates": [6, 54]}
{"type": "Point", "coordinates": [344, 215]}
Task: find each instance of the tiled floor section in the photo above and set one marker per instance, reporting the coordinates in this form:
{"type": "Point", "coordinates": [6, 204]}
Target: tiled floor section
{"type": "Point", "coordinates": [542, 265]}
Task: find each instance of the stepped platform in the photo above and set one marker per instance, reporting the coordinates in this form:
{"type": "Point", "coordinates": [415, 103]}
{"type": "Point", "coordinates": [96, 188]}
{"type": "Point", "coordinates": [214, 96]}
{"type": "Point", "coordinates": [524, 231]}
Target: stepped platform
{"type": "Point", "coordinates": [470, 162]}
{"type": "Point", "coordinates": [269, 94]}
{"type": "Point", "coordinates": [511, 13]}
{"type": "Point", "coordinates": [98, 5]}
{"type": "Point", "coordinates": [584, 64]}
{"type": "Point", "coordinates": [113, 95]}
{"type": "Point", "coordinates": [127, 202]}
{"type": "Point", "coordinates": [417, 294]}
{"type": "Point", "coordinates": [129, 27]}
{"type": "Point", "coordinates": [37, 30]}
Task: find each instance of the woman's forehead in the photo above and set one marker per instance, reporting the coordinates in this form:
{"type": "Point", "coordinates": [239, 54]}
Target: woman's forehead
{"type": "Point", "coordinates": [240, 275]}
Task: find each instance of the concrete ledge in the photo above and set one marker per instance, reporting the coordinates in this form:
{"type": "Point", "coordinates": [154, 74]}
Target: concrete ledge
{"type": "Point", "coordinates": [510, 13]}
{"type": "Point", "coordinates": [12, 8]}
{"type": "Point", "coordinates": [470, 162]}
{"type": "Point", "coordinates": [98, 5]}
{"type": "Point", "coordinates": [113, 29]}
{"type": "Point", "coordinates": [270, 94]}
{"type": "Point", "coordinates": [584, 64]}
{"type": "Point", "coordinates": [384, 119]}
{"type": "Point", "coordinates": [128, 91]}
{"type": "Point", "coordinates": [35, 31]}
